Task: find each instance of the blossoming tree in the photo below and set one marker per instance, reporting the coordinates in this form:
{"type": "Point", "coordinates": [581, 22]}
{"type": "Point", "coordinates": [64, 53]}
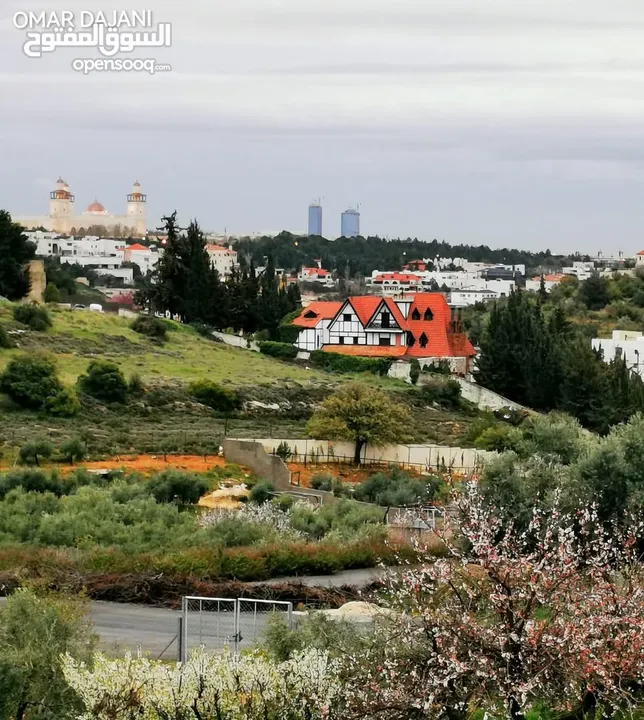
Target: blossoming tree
{"type": "Point", "coordinates": [508, 619]}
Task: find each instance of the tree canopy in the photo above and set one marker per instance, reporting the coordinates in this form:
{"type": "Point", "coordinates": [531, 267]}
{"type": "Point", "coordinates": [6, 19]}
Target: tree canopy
{"type": "Point", "coordinates": [360, 414]}
{"type": "Point", "coordinates": [15, 253]}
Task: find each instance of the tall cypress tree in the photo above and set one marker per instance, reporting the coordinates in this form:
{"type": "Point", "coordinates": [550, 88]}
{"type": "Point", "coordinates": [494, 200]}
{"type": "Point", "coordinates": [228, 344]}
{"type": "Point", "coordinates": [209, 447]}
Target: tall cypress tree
{"type": "Point", "coordinates": [15, 252]}
{"type": "Point", "coordinates": [269, 301]}
{"type": "Point", "coordinates": [166, 290]}
{"type": "Point", "coordinates": [198, 301]}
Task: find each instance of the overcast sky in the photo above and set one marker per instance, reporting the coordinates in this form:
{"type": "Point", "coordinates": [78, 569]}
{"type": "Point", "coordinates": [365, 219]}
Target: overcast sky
{"type": "Point", "coordinates": [504, 122]}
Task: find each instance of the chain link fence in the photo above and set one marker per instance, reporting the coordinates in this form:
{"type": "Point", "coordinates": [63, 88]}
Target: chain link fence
{"type": "Point", "coordinates": [216, 624]}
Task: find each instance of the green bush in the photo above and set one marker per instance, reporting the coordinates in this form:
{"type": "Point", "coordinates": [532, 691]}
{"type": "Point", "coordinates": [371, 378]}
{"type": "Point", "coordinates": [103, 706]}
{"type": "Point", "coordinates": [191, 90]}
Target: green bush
{"type": "Point", "coordinates": [135, 385]}
{"type": "Point", "coordinates": [6, 343]}
{"type": "Point", "coordinates": [150, 326]}
{"type": "Point", "coordinates": [63, 404]}
{"type": "Point", "coordinates": [261, 493]}
{"type": "Point", "coordinates": [174, 486]}
{"type": "Point", "coordinates": [215, 396]}
{"type": "Point", "coordinates": [336, 362]}
{"type": "Point", "coordinates": [33, 316]}
{"type": "Point", "coordinates": [499, 438]}
{"type": "Point", "coordinates": [104, 381]}
{"type": "Point", "coordinates": [322, 481]}
{"type": "Point", "coordinates": [289, 333]}
{"type": "Point", "coordinates": [73, 450]}
{"type": "Point", "coordinates": [31, 481]}
{"type": "Point", "coordinates": [284, 451]}
{"type": "Point", "coordinates": [446, 394]}
{"type": "Point", "coordinates": [398, 489]}
{"type": "Point", "coordinates": [414, 371]}
{"type": "Point", "coordinates": [51, 294]}
{"type": "Point", "coordinates": [35, 450]}
{"type": "Point", "coordinates": [30, 381]}
{"type": "Point", "coordinates": [279, 350]}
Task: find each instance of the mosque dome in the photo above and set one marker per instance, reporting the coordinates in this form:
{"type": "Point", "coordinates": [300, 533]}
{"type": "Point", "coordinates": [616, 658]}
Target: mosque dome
{"type": "Point", "coordinates": [95, 207]}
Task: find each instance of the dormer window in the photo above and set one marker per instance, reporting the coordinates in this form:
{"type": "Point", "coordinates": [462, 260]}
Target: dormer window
{"type": "Point", "coordinates": [411, 340]}
{"type": "Point", "coordinates": [415, 315]}
{"type": "Point", "coordinates": [423, 340]}
{"type": "Point", "coordinates": [429, 315]}
{"type": "Point", "coordinates": [385, 319]}
{"type": "Point", "coordinates": [310, 315]}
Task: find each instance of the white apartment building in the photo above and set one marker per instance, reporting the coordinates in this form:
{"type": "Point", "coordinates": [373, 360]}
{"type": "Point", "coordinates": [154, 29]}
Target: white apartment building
{"type": "Point", "coordinates": [549, 281]}
{"type": "Point", "coordinates": [223, 259]}
{"type": "Point", "coordinates": [467, 297]}
{"type": "Point", "coordinates": [624, 344]}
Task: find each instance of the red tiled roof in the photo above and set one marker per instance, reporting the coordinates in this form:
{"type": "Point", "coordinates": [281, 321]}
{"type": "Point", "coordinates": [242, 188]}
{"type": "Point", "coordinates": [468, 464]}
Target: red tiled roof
{"type": "Point", "coordinates": [315, 271]}
{"type": "Point", "coordinates": [399, 277]}
{"type": "Point", "coordinates": [218, 249]}
{"type": "Point", "coordinates": [137, 246]}
{"type": "Point", "coordinates": [323, 311]}
{"type": "Point", "coordinates": [365, 306]}
{"type": "Point", "coordinates": [367, 350]}
{"type": "Point", "coordinates": [550, 278]}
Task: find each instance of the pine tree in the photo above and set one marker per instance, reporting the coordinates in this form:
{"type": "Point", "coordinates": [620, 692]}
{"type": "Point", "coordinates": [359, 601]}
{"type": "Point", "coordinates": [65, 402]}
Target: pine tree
{"type": "Point", "coordinates": [198, 300]}
{"type": "Point", "coordinates": [166, 289]}
{"type": "Point", "coordinates": [269, 301]}
{"type": "Point", "coordinates": [15, 253]}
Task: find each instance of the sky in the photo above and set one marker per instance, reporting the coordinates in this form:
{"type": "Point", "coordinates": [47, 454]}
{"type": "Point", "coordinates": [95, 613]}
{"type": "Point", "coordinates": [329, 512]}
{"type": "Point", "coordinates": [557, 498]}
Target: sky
{"type": "Point", "coordinates": [505, 122]}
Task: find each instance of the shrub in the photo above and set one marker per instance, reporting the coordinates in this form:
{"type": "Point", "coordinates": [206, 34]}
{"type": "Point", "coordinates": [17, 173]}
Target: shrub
{"type": "Point", "coordinates": [397, 489]}
{"type": "Point", "coordinates": [261, 493]}
{"type": "Point", "coordinates": [173, 486]}
{"type": "Point", "coordinates": [322, 481]}
{"type": "Point", "coordinates": [135, 385]}
{"type": "Point", "coordinates": [63, 404]}
{"type": "Point", "coordinates": [6, 343]}
{"type": "Point", "coordinates": [30, 381]}
{"type": "Point", "coordinates": [289, 333]}
{"type": "Point", "coordinates": [284, 451]}
{"type": "Point", "coordinates": [414, 371]}
{"type": "Point", "coordinates": [30, 481]}
{"type": "Point", "coordinates": [446, 394]}
{"type": "Point", "coordinates": [104, 381]}
{"type": "Point", "coordinates": [35, 450]}
{"type": "Point", "coordinates": [73, 450]}
{"type": "Point", "coordinates": [215, 396]}
{"type": "Point", "coordinates": [150, 326]}
{"type": "Point", "coordinates": [51, 294]}
{"type": "Point", "coordinates": [335, 362]}
{"type": "Point", "coordinates": [282, 351]}
{"type": "Point", "coordinates": [498, 439]}
{"type": "Point", "coordinates": [33, 316]}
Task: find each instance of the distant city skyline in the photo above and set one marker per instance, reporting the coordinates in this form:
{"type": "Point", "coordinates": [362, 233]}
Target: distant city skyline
{"type": "Point", "coordinates": [499, 123]}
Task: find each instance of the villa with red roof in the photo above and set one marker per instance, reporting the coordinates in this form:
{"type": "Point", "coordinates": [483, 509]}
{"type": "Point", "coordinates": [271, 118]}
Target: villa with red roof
{"type": "Point", "coordinates": [418, 327]}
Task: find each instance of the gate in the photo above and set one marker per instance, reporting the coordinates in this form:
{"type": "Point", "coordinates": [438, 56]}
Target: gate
{"type": "Point", "coordinates": [219, 623]}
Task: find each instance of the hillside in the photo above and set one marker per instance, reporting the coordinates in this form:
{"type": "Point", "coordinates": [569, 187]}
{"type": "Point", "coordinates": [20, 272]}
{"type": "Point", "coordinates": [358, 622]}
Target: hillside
{"type": "Point", "coordinates": [278, 397]}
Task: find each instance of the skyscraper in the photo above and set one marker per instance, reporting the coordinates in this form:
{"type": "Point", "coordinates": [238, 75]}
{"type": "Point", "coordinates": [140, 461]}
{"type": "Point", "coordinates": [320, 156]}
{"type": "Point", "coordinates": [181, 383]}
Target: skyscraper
{"type": "Point", "coordinates": [315, 219]}
{"type": "Point", "coordinates": [350, 224]}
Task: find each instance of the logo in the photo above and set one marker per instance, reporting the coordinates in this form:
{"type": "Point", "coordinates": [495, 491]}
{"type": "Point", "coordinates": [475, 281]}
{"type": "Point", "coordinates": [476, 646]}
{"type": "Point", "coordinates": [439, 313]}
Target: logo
{"type": "Point", "coordinates": [110, 33]}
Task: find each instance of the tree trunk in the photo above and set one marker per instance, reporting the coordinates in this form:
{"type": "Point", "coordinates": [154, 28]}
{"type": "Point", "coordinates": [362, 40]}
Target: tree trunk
{"type": "Point", "coordinates": [359, 446]}
{"type": "Point", "coordinates": [514, 711]}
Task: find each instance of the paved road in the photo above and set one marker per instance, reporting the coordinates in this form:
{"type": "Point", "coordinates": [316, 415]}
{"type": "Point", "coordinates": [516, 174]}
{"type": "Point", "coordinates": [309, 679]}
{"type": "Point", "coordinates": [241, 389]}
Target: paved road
{"type": "Point", "coordinates": [123, 627]}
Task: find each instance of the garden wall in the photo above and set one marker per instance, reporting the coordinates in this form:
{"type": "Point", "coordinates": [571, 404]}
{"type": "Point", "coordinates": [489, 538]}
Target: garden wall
{"type": "Point", "coordinates": [236, 341]}
{"type": "Point", "coordinates": [483, 398]}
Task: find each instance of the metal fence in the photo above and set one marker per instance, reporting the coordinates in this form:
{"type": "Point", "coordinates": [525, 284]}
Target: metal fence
{"type": "Point", "coordinates": [219, 623]}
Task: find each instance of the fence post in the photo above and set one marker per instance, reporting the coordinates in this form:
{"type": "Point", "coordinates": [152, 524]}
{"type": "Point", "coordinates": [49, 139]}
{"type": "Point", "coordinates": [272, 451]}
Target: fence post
{"type": "Point", "coordinates": [183, 652]}
{"type": "Point", "coordinates": [180, 640]}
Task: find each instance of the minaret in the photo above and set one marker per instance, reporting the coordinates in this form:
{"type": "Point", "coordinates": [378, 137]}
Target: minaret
{"type": "Point", "coordinates": [136, 210]}
{"type": "Point", "coordinates": [61, 207]}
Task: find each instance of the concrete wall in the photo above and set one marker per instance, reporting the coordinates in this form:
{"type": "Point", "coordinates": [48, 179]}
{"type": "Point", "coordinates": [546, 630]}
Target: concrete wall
{"type": "Point", "coordinates": [38, 281]}
{"type": "Point", "coordinates": [483, 398]}
{"type": "Point", "coordinates": [401, 368]}
{"type": "Point", "coordinates": [426, 456]}
{"type": "Point", "coordinates": [236, 341]}
{"type": "Point", "coordinates": [251, 454]}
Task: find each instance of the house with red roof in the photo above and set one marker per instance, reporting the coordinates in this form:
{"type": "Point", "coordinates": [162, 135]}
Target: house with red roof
{"type": "Point", "coordinates": [420, 326]}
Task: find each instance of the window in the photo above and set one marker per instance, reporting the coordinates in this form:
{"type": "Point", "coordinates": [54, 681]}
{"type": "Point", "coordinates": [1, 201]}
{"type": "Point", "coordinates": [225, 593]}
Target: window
{"type": "Point", "coordinates": [411, 340]}
{"type": "Point", "coordinates": [347, 317]}
{"type": "Point", "coordinates": [385, 319]}
{"type": "Point", "coordinates": [355, 340]}
{"type": "Point", "coordinates": [423, 340]}
{"type": "Point", "coordinates": [415, 315]}
{"type": "Point", "coordinates": [341, 341]}
{"type": "Point", "coordinates": [310, 314]}
{"type": "Point", "coordinates": [384, 341]}
{"type": "Point", "coordinates": [429, 315]}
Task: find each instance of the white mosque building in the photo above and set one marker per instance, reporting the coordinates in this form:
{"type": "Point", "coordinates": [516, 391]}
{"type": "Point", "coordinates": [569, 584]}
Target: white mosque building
{"type": "Point", "coordinates": [62, 216]}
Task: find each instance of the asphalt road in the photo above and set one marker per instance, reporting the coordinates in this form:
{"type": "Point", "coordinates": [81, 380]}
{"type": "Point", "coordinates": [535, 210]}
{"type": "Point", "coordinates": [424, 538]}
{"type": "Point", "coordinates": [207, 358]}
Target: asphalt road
{"type": "Point", "coordinates": [123, 627]}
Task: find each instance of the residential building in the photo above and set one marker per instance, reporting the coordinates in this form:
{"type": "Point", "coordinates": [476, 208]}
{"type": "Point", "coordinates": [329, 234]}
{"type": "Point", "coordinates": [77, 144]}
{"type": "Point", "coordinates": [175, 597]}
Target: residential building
{"type": "Point", "coordinates": [62, 217]}
{"type": "Point", "coordinates": [420, 326]}
{"type": "Point", "coordinates": [350, 223]}
{"type": "Point", "coordinates": [315, 274]}
{"type": "Point", "coordinates": [639, 259]}
{"type": "Point", "coordinates": [549, 281]}
{"type": "Point", "coordinates": [223, 259]}
{"type": "Point", "coordinates": [626, 345]}
{"type": "Point", "coordinates": [466, 298]}
{"type": "Point", "coordinates": [315, 219]}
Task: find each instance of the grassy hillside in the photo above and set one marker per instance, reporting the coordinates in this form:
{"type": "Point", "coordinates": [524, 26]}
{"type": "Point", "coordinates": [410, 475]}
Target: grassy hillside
{"type": "Point", "coordinates": [79, 336]}
{"type": "Point", "coordinates": [279, 397]}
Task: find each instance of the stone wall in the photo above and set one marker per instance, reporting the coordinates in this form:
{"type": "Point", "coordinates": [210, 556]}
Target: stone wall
{"type": "Point", "coordinates": [401, 368]}
{"type": "Point", "coordinates": [236, 341]}
{"type": "Point", "coordinates": [483, 398]}
{"type": "Point", "coordinates": [38, 281]}
{"type": "Point", "coordinates": [466, 460]}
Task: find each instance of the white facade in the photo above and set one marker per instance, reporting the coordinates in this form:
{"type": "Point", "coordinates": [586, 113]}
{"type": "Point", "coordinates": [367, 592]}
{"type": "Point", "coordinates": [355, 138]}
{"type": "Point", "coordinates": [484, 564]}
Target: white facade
{"type": "Point", "coordinates": [549, 281]}
{"type": "Point", "coordinates": [626, 345]}
{"type": "Point", "coordinates": [422, 281]}
{"type": "Point", "coordinates": [382, 330]}
{"type": "Point", "coordinates": [466, 298]}
{"type": "Point", "coordinates": [223, 259]}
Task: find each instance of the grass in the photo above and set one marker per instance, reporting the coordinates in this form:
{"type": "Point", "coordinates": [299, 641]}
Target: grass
{"type": "Point", "coordinates": [78, 336]}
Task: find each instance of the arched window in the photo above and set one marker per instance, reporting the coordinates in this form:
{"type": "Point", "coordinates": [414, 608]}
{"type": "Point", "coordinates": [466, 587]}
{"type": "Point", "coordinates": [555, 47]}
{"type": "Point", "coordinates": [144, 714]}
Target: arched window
{"type": "Point", "coordinates": [429, 315]}
{"type": "Point", "coordinates": [415, 315]}
{"type": "Point", "coordinates": [411, 340]}
{"type": "Point", "coordinates": [423, 340]}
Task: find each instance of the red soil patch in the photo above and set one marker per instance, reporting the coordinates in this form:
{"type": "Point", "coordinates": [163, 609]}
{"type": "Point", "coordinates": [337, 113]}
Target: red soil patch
{"type": "Point", "coordinates": [152, 463]}
{"type": "Point", "coordinates": [346, 473]}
